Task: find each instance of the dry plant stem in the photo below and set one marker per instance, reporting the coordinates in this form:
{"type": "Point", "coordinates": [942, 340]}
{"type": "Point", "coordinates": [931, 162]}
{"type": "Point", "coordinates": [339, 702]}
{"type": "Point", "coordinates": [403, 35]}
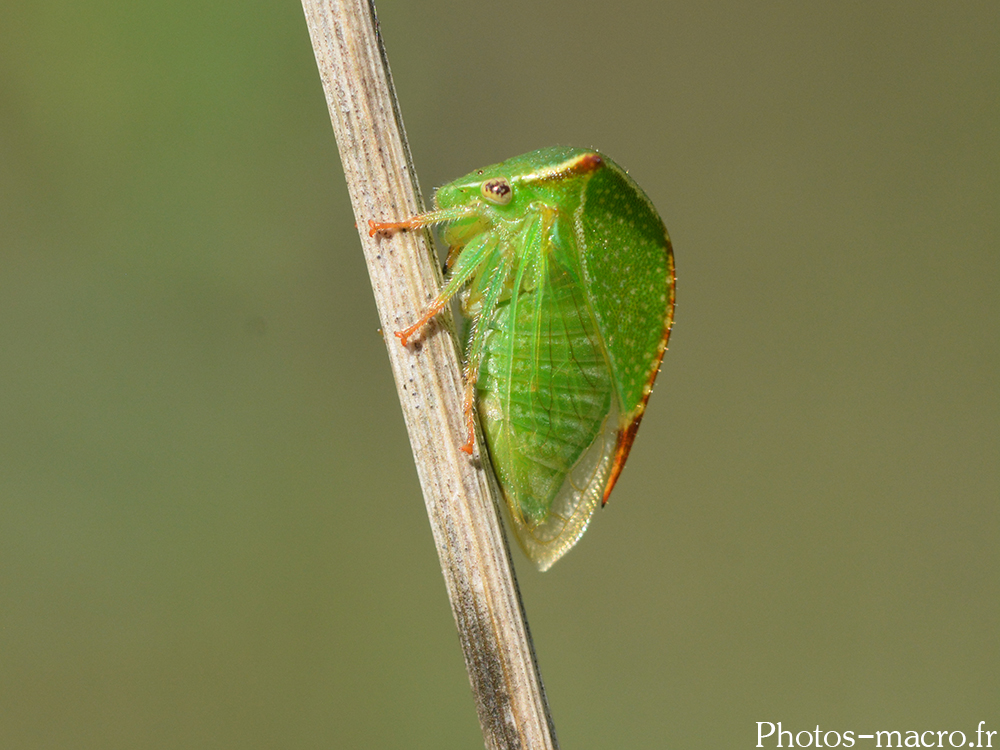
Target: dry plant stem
{"type": "Point", "coordinates": [458, 492]}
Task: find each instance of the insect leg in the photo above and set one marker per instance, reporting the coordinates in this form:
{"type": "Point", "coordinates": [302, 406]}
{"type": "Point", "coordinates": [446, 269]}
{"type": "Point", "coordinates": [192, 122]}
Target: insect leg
{"type": "Point", "coordinates": [416, 222]}
{"type": "Point", "coordinates": [498, 269]}
{"type": "Point", "coordinates": [469, 261]}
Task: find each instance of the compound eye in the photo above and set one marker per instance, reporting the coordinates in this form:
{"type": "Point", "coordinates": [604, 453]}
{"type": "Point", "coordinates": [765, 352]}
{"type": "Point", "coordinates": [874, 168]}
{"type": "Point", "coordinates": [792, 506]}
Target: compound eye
{"type": "Point", "coordinates": [497, 191]}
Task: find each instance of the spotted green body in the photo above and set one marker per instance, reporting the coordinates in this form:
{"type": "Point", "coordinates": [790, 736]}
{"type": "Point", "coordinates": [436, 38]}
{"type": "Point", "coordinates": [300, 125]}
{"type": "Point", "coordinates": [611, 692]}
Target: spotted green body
{"type": "Point", "coordinates": [566, 274]}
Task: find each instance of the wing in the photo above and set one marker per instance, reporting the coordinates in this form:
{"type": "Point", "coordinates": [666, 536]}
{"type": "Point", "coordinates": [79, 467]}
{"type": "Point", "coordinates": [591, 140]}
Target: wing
{"type": "Point", "coordinates": [545, 400]}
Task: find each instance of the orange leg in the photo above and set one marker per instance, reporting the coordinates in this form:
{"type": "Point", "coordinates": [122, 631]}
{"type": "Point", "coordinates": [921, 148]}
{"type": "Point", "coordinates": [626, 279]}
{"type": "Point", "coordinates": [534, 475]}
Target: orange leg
{"type": "Point", "coordinates": [387, 227]}
{"type": "Point", "coordinates": [470, 418]}
{"type": "Point", "coordinates": [434, 309]}
{"type": "Point", "coordinates": [415, 222]}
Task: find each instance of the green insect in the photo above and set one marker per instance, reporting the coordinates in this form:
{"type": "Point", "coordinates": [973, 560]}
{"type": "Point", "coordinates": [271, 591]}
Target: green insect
{"type": "Point", "coordinates": [567, 277]}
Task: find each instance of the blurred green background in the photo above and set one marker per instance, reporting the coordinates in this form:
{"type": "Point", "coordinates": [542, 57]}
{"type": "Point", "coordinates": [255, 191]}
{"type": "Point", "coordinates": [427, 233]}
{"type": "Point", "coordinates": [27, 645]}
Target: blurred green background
{"type": "Point", "coordinates": [211, 532]}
